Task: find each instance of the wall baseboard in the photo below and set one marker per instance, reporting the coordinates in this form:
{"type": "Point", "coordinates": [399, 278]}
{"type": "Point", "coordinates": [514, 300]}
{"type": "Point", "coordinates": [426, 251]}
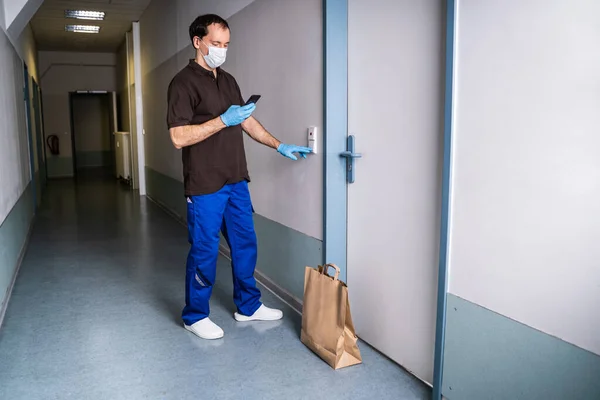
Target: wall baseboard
{"type": "Point", "coordinates": [8, 294]}
{"type": "Point", "coordinates": [271, 286]}
{"type": "Point", "coordinates": [168, 210]}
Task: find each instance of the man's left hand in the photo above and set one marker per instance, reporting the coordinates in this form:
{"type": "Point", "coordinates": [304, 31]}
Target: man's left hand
{"type": "Point", "coordinates": [288, 150]}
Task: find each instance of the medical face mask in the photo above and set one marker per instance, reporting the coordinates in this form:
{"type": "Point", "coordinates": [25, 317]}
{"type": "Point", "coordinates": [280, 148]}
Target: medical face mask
{"type": "Point", "coordinates": [216, 56]}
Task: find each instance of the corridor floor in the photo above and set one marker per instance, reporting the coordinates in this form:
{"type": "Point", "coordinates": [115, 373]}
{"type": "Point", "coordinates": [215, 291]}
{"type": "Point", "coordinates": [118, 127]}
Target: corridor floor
{"type": "Point", "coordinates": [95, 314]}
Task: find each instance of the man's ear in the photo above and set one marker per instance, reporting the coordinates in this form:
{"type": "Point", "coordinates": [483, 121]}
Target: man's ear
{"type": "Point", "coordinates": [196, 42]}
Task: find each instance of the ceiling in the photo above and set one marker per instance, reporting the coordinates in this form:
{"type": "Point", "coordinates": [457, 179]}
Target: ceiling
{"type": "Point", "coordinates": [49, 22]}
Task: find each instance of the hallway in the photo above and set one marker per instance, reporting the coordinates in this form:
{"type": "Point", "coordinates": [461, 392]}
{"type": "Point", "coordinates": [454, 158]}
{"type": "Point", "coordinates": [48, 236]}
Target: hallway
{"type": "Point", "coordinates": [95, 314]}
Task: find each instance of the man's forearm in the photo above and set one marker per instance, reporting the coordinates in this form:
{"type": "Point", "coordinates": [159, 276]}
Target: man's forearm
{"type": "Point", "coordinates": [187, 135]}
{"type": "Point", "coordinates": [259, 133]}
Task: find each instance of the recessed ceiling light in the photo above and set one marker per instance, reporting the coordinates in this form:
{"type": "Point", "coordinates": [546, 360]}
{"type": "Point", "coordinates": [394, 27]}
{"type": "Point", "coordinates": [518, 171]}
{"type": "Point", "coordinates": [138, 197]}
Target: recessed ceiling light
{"type": "Point", "coordinates": [82, 28]}
{"type": "Point", "coordinates": [81, 14]}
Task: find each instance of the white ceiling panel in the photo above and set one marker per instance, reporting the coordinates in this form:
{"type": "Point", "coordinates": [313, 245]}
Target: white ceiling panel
{"type": "Point", "coordinates": [49, 22]}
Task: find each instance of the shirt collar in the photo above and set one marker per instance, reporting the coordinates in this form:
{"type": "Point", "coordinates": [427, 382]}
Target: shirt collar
{"type": "Point", "coordinates": [197, 67]}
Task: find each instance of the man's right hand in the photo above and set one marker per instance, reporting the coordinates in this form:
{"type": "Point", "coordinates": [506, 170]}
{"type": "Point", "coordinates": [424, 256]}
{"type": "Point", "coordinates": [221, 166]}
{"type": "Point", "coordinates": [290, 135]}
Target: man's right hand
{"type": "Point", "coordinates": [235, 115]}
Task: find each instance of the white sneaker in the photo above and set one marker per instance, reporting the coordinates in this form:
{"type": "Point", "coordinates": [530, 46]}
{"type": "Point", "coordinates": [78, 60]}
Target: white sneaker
{"type": "Point", "coordinates": [264, 313]}
{"type": "Point", "coordinates": [205, 329]}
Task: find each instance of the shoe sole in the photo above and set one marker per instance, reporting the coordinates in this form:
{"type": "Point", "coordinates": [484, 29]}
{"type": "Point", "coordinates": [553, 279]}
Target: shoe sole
{"type": "Point", "coordinates": [243, 318]}
{"type": "Point", "coordinates": [187, 328]}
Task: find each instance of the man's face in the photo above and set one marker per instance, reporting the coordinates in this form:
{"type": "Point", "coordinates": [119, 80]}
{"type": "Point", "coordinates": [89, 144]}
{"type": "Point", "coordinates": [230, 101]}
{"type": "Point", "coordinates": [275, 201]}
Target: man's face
{"type": "Point", "coordinates": [217, 36]}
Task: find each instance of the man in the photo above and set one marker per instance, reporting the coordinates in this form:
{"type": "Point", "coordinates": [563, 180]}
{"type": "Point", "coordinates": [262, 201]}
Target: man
{"type": "Point", "coordinates": [206, 115]}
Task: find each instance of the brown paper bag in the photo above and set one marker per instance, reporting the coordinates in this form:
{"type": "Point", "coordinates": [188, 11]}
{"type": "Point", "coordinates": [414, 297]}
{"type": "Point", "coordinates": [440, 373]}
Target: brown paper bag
{"type": "Point", "coordinates": [327, 327]}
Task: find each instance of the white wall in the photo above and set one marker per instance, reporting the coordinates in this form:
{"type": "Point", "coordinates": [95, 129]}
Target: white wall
{"type": "Point", "coordinates": [171, 20]}
{"type": "Point", "coordinates": [275, 51]}
{"type": "Point", "coordinates": [526, 186]}
{"type": "Point", "coordinates": [2, 19]}
{"type": "Point", "coordinates": [64, 72]}
{"type": "Point", "coordinates": [15, 173]}
{"type": "Point", "coordinates": [14, 147]}
{"type": "Point", "coordinates": [12, 8]}
{"type": "Point", "coordinates": [27, 50]}
{"type": "Point", "coordinates": [20, 33]}
{"type": "Point", "coordinates": [17, 15]}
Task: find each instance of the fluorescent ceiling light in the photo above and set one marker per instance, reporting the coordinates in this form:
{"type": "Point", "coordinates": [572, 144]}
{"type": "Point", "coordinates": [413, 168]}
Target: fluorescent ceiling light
{"type": "Point", "coordinates": [82, 28]}
{"type": "Point", "coordinates": [80, 14]}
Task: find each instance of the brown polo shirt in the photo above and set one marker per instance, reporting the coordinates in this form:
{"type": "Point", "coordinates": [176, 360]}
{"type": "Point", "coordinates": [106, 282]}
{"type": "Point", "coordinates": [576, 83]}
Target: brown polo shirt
{"type": "Point", "coordinates": [195, 96]}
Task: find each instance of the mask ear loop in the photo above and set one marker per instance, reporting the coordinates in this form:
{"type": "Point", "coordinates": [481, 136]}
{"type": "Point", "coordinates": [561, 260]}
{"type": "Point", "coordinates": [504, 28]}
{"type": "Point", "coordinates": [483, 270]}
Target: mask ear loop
{"type": "Point", "coordinates": [200, 41]}
{"type": "Point", "coordinates": [205, 45]}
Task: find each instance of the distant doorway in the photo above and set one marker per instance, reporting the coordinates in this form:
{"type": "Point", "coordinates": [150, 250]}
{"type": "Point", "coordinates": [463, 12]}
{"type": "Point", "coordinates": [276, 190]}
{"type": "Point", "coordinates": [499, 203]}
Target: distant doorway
{"type": "Point", "coordinates": [91, 133]}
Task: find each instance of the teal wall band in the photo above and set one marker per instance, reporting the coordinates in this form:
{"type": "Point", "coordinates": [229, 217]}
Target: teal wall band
{"type": "Point", "coordinates": [490, 356]}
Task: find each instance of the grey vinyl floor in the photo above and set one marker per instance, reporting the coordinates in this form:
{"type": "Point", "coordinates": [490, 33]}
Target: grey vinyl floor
{"type": "Point", "coordinates": [95, 314]}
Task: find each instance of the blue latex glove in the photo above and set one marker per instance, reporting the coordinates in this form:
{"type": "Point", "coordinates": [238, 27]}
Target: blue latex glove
{"type": "Point", "coordinates": [235, 115]}
{"type": "Point", "coordinates": [288, 150]}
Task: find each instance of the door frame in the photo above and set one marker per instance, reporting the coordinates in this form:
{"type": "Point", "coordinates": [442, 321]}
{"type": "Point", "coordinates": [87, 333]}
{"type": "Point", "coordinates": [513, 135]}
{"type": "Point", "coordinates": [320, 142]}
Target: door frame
{"type": "Point", "coordinates": [72, 123]}
{"type": "Point", "coordinates": [43, 131]}
{"type": "Point", "coordinates": [444, 248]}
{"type": "Point", "coordinates": [139, 108]}
{"type": "Point", "coordinates": [27, 100]}
{"type": "Point", "coordinates": [335, 127]}
{"type": "Point", "coordinates": [40, 136]}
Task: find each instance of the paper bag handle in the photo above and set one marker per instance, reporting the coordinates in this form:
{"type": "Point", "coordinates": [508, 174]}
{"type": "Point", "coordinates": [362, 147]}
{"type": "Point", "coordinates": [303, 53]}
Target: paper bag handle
{"type": "Point", "coordinates": [337, 270]}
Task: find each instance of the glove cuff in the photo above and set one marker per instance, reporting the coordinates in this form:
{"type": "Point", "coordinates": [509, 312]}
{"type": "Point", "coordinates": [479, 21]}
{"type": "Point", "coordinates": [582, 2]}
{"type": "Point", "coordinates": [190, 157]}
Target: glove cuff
{"type": "Point", "coordinates": [224, 120]}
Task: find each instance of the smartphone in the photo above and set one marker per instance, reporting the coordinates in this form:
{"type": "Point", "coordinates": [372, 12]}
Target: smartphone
{"type": "Point", "coordinates": [253, 99]}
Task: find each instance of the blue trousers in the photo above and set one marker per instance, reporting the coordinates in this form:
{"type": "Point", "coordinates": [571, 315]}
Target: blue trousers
{"type": "Point", "coordinates": [230, 211]}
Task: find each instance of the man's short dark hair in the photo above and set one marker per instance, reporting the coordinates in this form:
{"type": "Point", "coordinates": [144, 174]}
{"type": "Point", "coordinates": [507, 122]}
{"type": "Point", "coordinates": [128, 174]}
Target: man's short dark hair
{"type": "Point", "coordinates": [200, 25]}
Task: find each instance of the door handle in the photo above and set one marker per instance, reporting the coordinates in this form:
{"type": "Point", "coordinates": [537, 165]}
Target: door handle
{"type": "Point", "coordinates": [350, 156]}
